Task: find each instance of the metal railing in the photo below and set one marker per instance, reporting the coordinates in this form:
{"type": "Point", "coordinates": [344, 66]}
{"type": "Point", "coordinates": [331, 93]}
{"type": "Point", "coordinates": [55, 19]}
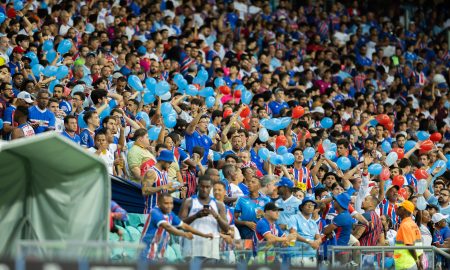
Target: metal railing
{"type": "Point", "coordinates": [362, 251]}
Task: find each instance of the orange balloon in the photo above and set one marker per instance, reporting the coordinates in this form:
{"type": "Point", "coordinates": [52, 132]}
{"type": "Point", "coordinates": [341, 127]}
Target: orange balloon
{"type": "Point", "coordinates": [225, 90]}
{"type": "Point", "coordinates": [383, 119]}
{"type": "Point", "coordinates": [426, 145]}
{"type": "Point", "coordinates": [237, 94]}
{"type": "Point", "coordinates": [246, 123]}
{"type": "Point", "coordinates": [298, 112]}
{"type": "Point", "coordinates": [436, 137]}
{"type": "Point", "coordinates": [227, 113]}
{"type": "Point", "coordinates": [400, 152]}
{"type": "Point", "coordinates": [245, 112]}
{"type": "Point", "coordinates": [280, 141]}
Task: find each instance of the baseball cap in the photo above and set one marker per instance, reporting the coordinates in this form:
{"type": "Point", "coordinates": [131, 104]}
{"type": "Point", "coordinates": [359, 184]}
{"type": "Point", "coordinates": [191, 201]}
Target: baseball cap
{"type": "Point", "coordinates": [117, 75]}
{"type": "Point", "coordinates": [285, 182]}
{"type": "Point", "coordinates": [438, 217]}
{"type": "Point", "coordinates": [343, 200]}
{"type": "Point", "coordinates": [318, 110]}
{"type": "Point", "coordinates": [18, 49]}
{"type": "Point", "coordinates": [307, 200]}
{"type": "Point", "coordinates": [25, 96]}
{"type": "Point", "coordinates": [166, 156]}
{"type": "Point", "coordinates": [409, 206]}
{"type": "Point", "coordinates": [272, 207]}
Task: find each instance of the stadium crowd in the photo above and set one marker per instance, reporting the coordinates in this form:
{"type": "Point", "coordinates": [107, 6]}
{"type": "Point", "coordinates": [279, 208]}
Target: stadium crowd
{"type": "Point", "coordinates": [303, 124]}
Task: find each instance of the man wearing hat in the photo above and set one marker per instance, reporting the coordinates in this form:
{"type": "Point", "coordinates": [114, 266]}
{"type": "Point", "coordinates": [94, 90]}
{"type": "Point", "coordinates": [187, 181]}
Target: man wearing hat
{"type": "Point", "coordinates": [307, 233]}
{"type": "Point", "coordinates": [155, 180]}
{"type": "Point", "coordinates": [286, 201]}
{"type": "Point", "coordinates": [342, 224]}
{"type": "Point", "coordinates": [442, 231]}
{"type": "Point", "coordinates": [22, 99]}
{"type": "Point", "coordinates": [387, 205]}
{"type": "Point", "coordinates": [408, 234]}
{"type": "Point", "coordinates": [267, 230]}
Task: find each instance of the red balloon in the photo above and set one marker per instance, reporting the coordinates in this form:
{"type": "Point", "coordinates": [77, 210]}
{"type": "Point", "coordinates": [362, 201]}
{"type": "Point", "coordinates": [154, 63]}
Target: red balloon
{"type": "Point", "coordinates": [320, 149]}
{"type": "Point", "coordinates": [225, 89]}
{"type": "Point", "coordinates": [280, 141]}
{"type": "Point", "coordinates": [383, 119]}
{"type": "Point", "coordinates": [346, 128]}
{"type": "Point", "coordinates": [426, 145]}
{"type": "Point", "coordinates": [436, 137]}
{"type": "Point", "coordinates": [389, 126]}
{"type": "Point", "coordinates": [385, 174]}
{"type": "Point", "coordinates": [399, 180]}
{"type": "Point", "coordinates": [246, 123]}
{"type": "Point", "coordinates": [197, 86]}
{"type": "Point", "coordinates": [245, 112]}
{"type": "Point", "coordinates": [402, 192]}
{"type": "Point", "coordinates": [400, 152]}
{"type": "Point", "coordinates": [307, 135]}
{"type": "Point", "coordinates": [237, 94]}
{"type": "Point", "coordinates": [298, 112]}
{"type": "Point", "coordinates": [227, 112]}
{"type": "Point", "coordinates": [420, 174]}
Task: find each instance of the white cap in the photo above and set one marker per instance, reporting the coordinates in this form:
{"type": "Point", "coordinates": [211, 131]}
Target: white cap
{"type": "Point", "coordinates": [25, 96]}
{"type": "Point", "coordinates": [318, 110]}
{"type": "Point", "coordinates": [438, 217]}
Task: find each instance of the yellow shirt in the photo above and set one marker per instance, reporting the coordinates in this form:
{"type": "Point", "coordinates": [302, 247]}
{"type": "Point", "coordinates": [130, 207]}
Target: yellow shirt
{"type": "Point", "coordinates": [136, 157]}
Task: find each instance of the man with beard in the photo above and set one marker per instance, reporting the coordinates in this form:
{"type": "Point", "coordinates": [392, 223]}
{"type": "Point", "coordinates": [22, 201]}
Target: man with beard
{"type": "Point", "coordinates": [6, 95]}
{"type": "Point", "coordinates": [197, 134]}
{"type": "Point", "coordinates": [442, 201]}
{"type": "Point", "coordinates": [41, 118]}
{"type": "Point", "coordinates": [286, 201]}
{"type": "Point", "coordinates": [70, 129]}
{"type": "Point", "coordinates": [388, 204]}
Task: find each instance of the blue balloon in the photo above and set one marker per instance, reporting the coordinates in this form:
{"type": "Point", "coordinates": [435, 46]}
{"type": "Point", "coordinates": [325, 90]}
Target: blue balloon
{"type": "Point", "coordinates": [210, 101]}
{"type": "Point", "coordinates": [166, 96]}
{"type": "Point", "coordinates": [422, 135]}
{"type": "Point", "coordinates": [50, 56]}
{"type": "Point", "coordinates": [409, 145]}
{"type": "Point", "coordinates": [130, 144]}
{"type": "Point", "coordinates": [326, 144]}
{"type": "Point", "coordinates": [33, 57]}
{"type": "Point", "coordinates": [191, 90]}
{"type": "Point", "coordinates": [448, 160]}
{"type": "Point", "coordinates": [288, 159]}
{"type": "Point", "coordinates": [285, 121]}
{"type": "Point", "coordinates": [146, 118]}
{"type": "Point", "coordinates": [183, 84]}
{"type": "Point", "coordinates": [166, 108]}
{"type": "Point", "coordinates": [373, 122]}
{"type": "Point", "coordinates": [64, 46]}
{"type": "Point", "coordinates": [219, 82]}
{"type": "Point", "coordinates": [276, 160]}
{"type": "Point", "coordinates": [1, 123]}
{"type": "Point", "coordinates": [330, 155]}
{"type": "Point", "coordinates": [332, 147]}
{"type": "Point", "coordinates": [135, 83]}
{"type": "Point", "coordinates": [50, 71]}
{"type": "Point", "coordinates": [151, 84]}
{"type": "Point", "coordinates": [326, 122]}
{"type": "Point", "coordinates": [37, 70]}
{"type": "Point", "coordinates": [309, 153]}
{"type": "Point", "coordinates": [198, 81]}
{"type": "Point", "coordinates": [148, 98]}
{"type": "Point", "coordinates": [18, 5]}
{"type": "Point", "coordinates": [216, 156]}
{"type": "Point", "coordinates": [203, 75]}
{"type": "Point", "coordinates": [62, 72]}
{"type": "Point", "coordinates": [246, 97]}
{"type": "Point", "coordinates": [105, 112]}
{"type": "Point", "coordinates": [375, 169]}
{"type": "Point", "coordinates": [153, 133]}
{"type": "Point", "coordinates": [263, 153]}
{"type": "Point", "coordinates": [162, 87]}
{"type": "Point", "coordinates": [282, 150]}
{"type": "Point", "coordinates": [263, 135]}
{"type": "Point", "coordinates": [206, 92]}
{"type": "Point", "coordinates": [177, 78]}
{"type": "Point", "coordinates": [170, 121]}
{"type": "Point", "coordinates": [344, 163]}
{"type": "Point", "coordinates": [386, 147]}
{"type": "Point", "coordinates": [47, 46]}
{"type": "Point", "coordinates": [52, 85]}
{"type": "Point", "coordinates": [2, 17]}
{"type": "Point", "coordinates": [441, 164]}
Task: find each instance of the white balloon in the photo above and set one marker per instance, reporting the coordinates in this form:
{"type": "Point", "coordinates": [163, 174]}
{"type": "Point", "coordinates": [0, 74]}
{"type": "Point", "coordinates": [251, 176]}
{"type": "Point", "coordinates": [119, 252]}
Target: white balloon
{"type": "Point", "coordinates": [166, 96]}
{"type": "Point", "coordinates": [422, 186]}
{"type": "Point", "coordinates": [421, 203]}
{"type": "Point", "coordinates": [391, 158]}
{"type": "Point", "coordinates": [263, 135]}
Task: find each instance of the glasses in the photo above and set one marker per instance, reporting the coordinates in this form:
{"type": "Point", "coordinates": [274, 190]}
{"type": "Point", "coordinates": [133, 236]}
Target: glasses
{"type": "Point", "coordinates": [309, 205]}
{"type": "Point", "coordinates": [444, 195]}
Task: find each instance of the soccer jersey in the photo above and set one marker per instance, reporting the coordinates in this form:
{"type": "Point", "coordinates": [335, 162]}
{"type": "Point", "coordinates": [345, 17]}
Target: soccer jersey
{"type": "Point", "coordinates": [196, 139]}
{"type": "Point", "coordinates": [264, 227]}
{"type": "Point", "coordinates": [45, 119]}
{"type": "Point", "coordinates": [303, 179]}
{"type": "Point", "coordinates": [155, 237]}
{"type": "Point", "coordinates": [76, 138]}
{"type": "Point", "coordinates": [290, 207]}
{"type": "Point", "coordinates": [87, 138]}
{"type": "Point", "coordinates": [344, 223]}
{"type": "Point", "coordinates": [250, 210]}
{"type": "Point", "coordinates": [27, 130]}
{"type": "Point", "coordinates": [161, 180]}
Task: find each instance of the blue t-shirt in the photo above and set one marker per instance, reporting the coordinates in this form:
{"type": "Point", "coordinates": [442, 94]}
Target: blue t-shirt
{"type": "Point", "coordinates": [290, 207]}
{"type": "Point", "coordinates": [344, 223]}
{"type": "Point", "coordinates": [244, 188]}
{"type": "Point", "coordinates": [8, 115]}
{"type": "Point", "coordinates": [154, 237]}
{"type": "Point", "coordinates": [443, 210]}
{"type": "Point", "coordinates": [76, 138]}
{"type": "Point", "coordinates": [306, 228]}
{"type": "Point", "coordinates": [65, 106]}
{"type": "Point", "coordinates": [258, 161]}
{"type": "Point", "coordinates": [45, 119]}
{"type": "Point", "coordinates": [196, 139]}
{"type": "Point", "coordinates": [264, 227]}
{"type": "Point", "coordinates": [87, 138]}
{"type": "Point", "coordinates": [276, 107]}
{"type": "Point", "coordinates": [250, 210]}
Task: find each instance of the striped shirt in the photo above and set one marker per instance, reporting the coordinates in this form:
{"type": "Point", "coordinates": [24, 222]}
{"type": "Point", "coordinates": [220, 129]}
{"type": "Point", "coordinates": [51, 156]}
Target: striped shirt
{"type": "Point", "coordinates": [303, 178]}
{"type": "Point", "coordinates": [161, 180]}
{"type": "Point", "coordinates": [390, 210]}
{"type": "Point", "coordinates": [372, 231]}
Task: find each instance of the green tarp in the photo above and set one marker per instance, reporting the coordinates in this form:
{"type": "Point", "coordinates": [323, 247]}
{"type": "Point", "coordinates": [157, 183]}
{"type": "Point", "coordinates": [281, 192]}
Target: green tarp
{"type": "Point", "coordinates": [51, 189]}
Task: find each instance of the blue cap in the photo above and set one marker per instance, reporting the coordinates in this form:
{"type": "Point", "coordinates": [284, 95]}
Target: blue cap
{"type": "Point", "coordinates": [307, 200]}
{"type": "Point", "coordinates": [141, 50]}
{"type": "Point", "coordinates": [343, 200]}
{"type": "Point", "coordinates": [285, 182]}
{"type": "Point", "coordinates": [165, 155]}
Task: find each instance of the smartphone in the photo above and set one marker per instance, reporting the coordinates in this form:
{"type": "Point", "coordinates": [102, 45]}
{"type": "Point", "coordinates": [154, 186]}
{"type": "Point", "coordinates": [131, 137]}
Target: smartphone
{"type": "Point", "coordinates": [206, 206]}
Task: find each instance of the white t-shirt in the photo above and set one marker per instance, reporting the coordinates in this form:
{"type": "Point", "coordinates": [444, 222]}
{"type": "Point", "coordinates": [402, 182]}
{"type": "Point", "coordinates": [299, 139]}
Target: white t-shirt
{"type": "Point", "coordinates": [107, 156]}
